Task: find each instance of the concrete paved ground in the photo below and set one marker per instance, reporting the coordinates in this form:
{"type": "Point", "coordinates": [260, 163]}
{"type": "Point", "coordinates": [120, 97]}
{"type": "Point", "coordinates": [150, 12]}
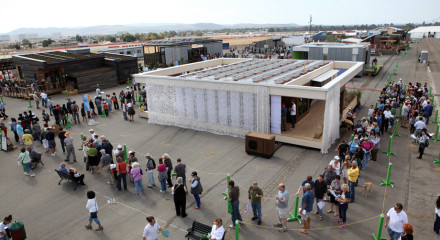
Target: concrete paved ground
{"type": "Point", "coordinates": [52, 211]}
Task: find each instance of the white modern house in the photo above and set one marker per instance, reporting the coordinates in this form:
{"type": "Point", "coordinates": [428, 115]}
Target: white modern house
{"type": "Point", "coordinates": [235, 96]}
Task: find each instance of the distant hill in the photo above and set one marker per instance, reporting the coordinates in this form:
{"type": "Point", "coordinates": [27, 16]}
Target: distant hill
{"type": "Point", "coordinates": [140, 28]}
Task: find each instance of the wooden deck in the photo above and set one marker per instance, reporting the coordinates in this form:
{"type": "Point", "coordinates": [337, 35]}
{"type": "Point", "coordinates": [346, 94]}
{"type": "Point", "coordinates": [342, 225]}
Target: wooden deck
{"type": "Point", "coordinates": [304, 131]}
{"type": "Point", "coordinates": [25, 92]}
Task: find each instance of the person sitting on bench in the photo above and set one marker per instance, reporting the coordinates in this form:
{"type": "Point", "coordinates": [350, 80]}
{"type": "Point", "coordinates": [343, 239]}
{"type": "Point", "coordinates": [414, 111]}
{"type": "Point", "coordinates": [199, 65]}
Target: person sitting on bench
{"type": "Point", "coordinates": [72, 171]}
{"type": "Point", "coordinates": [217, 231]}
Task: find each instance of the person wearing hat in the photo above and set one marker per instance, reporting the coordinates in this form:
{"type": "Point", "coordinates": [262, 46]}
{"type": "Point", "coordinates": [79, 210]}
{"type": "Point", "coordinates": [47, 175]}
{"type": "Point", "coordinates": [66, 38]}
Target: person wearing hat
{"type": "Point", "coordinates": [151, 165]}
{"type": "Point", "coordinates": [68, 141]}
{"type": "Point", "coordinates": [353, 146]}
{"type": "Point", "coordinates": [120, 152]}
{"type": "Point", "coordinates": [254, 195]}
{"type": "Point", "coordinates": [106, 160]}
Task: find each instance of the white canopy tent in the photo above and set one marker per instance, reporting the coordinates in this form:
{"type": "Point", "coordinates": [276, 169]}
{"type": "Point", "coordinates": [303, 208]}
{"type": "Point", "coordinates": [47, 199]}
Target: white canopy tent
{"type": "Point", "coordinates": [425, 32]}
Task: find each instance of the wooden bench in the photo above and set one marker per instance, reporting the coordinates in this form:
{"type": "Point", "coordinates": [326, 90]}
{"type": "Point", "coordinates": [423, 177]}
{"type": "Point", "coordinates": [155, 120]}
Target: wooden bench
{"type": "Point", "coordinates": [198, 230]}
{"type": "Point", "coordinates": [67, 177]}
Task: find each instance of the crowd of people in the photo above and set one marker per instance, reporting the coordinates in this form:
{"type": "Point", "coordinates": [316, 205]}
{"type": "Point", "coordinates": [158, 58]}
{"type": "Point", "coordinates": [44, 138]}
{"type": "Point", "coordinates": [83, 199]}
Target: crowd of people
{"type": "Point", "coordinates": [337, 184]}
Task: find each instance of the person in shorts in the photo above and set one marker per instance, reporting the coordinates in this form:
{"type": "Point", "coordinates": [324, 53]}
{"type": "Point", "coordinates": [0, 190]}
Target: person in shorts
{"type": "Point", "coordinates": [307, 207]}
{"type": "Point", "coordinates": [282, 203]}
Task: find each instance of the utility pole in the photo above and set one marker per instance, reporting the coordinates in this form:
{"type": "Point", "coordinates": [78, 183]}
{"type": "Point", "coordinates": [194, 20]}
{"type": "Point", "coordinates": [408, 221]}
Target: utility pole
{"type": "Point", "coordinates": [310, 24]}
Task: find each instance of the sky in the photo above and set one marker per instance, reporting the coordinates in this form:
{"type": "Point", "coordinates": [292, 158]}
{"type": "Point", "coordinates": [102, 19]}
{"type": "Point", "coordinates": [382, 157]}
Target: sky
{"type": "Point", "coordinates": [79, 13]}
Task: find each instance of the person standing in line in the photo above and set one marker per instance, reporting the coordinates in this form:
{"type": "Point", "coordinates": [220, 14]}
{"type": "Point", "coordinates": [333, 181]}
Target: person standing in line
{"type": "Point", "coordinates": [254, 195]}
{"type": "Point", "coordinates": [196, 188]}
{"type": "Point", "coordinates": [92, 206]}
{"type": "Point", "coordinates": [437, 216]}
{"type": "Point", "coordinates": [169, 164]}
{"type": "Point", "coordinates": [50, 137]}
{"type": "Point", "coordinates": [62, 136]}
{"type": "Point", "coordinates": [162, 176]}
{"type": "Point", "coordinates": [124, 110]}
{"type": "Point", "coordinates": [307, 207]}
{"type": "Point", "coordinates": [106, 160]}
{"type": "Point", "coordinates": [282, 201]}
{"type": "Point", "coordinates": [394, 221]}
{"type": "Point", "coordinates": [151, 165]}
{"type": "Point", "coordinates": [27, 137]}
{"type": "Point", "coordinates": [122, 176]}
{"type": "Point", "coordinates": [367, 146]}
{"type": "Point", "coordinates": [319, 192]}
{"type": "Point", "coordinates": [343, 205]}
{"type": "Point", "coordinates": [233, 197]}
{"type": "Point", "coordinates": [353, 174]}
{"type": "Point", "coordinates": [115, 101]}
{"type": "Point", "coordinates": [75, 112]}
{"type": "Point", "coordinates": [180, 170]}
{"type": "Point", "coordinates": [136, 173]}
{"type": "Point", "coordinates": [283, 117]}
{"type": "Point", "coordinates": [179, 191]}
{"type": "Point", "coordinates": [293, 114]}
{"type": "Point", "coordinates": [69, 147]}
{"type": "Point", "coordinates": [376, 143]}
{"type": "Point", "coordinates": [150, 231]}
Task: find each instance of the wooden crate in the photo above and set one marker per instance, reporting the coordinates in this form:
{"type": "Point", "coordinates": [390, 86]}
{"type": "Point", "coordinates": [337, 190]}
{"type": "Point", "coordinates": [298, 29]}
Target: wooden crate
{"type": "Point", "coordinates": [260, 144]}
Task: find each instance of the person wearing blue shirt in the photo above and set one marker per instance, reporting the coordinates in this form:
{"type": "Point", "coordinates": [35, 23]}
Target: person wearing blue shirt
{"type": "Point", "coordinates": [307, 207]}
{"type": "Point", "coordinates": [308, 180]}
{"type": "Point", "coordinates": [353, 146]}
{"type": "Point", "coordinates": [63, 168]}
{"type": "Point", "coordinates": [428, 109]}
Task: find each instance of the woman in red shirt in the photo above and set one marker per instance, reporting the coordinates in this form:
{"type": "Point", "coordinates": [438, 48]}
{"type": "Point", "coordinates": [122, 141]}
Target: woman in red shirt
{"type": "Point", "coordinates": [122, 170]}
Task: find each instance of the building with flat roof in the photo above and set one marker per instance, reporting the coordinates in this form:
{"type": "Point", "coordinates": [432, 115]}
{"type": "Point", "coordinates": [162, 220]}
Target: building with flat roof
{"type": "Point", "coordinates": [359, 52]}
{"type": "Point", "coordinates": [181, 50]}
{"type": "Point", "coordinates": [233, 96]}
{"type": "Point", "coordinates": [75, 69]}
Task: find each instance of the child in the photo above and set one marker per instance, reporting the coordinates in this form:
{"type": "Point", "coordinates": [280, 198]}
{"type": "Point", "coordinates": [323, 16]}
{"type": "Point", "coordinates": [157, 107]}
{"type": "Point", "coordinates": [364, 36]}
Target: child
{"type": "Point", "coordinates": [106, 108]}
{"type": "Point", "coordinates": [115, 101]}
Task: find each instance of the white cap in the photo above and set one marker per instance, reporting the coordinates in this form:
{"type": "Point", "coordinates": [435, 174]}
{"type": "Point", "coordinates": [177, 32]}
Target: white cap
{"type": "Point", "coordinates": [102, 150]}
{"type": "Point", "coordinates": [336, 157]}
{"type": "Point", "coordinates": [91, 130]}
{"type": "Point", "coordinates": [119, 146]}
{"type": "Point", "coordinates": [103, 136]}
{"type": "Point", "coordinates": [130, 152]}
{"type": "Point", "coordinates": [148, 155]}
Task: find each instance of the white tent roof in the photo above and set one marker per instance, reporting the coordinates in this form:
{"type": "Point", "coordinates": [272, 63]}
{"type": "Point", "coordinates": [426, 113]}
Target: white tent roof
{"type": "Point", "coordinates": [431, 29]}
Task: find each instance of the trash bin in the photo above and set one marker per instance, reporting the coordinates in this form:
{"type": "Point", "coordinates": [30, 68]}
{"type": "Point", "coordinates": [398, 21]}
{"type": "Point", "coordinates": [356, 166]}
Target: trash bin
{"type": "Point", "coordinates": [17, 231]}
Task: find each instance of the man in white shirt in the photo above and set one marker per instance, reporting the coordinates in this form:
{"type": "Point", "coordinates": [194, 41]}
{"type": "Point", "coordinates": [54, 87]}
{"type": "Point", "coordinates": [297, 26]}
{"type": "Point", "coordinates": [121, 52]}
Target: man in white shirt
{"type": "Point", "coordinates": [394, 221]}
{"type": "Point", "coordinates": [419, 125]}
{"type": "Point", "coordinates": [370, 111]}
{"type": "Point", "coordinates": [43, 96]}
{"type": "Point", "coordinates": [293, 114]}
{"type": "Point", "coordinates": [388, 116]}
{"type": "Point", "coordinates": [150, 231]}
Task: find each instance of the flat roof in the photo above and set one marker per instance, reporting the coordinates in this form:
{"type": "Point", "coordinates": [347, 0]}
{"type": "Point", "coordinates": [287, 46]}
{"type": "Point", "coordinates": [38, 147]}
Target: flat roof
{"type": "Point", "coordinates": [325, 76]}
{"type": "Point", "coordinates": [288, 77]}
{"type": "Point", "coordinates": [181, 41]}
{"type": "Point", "coordinates": [259, 71]}
{"type": "Point", "coordinates": [56, 56]}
